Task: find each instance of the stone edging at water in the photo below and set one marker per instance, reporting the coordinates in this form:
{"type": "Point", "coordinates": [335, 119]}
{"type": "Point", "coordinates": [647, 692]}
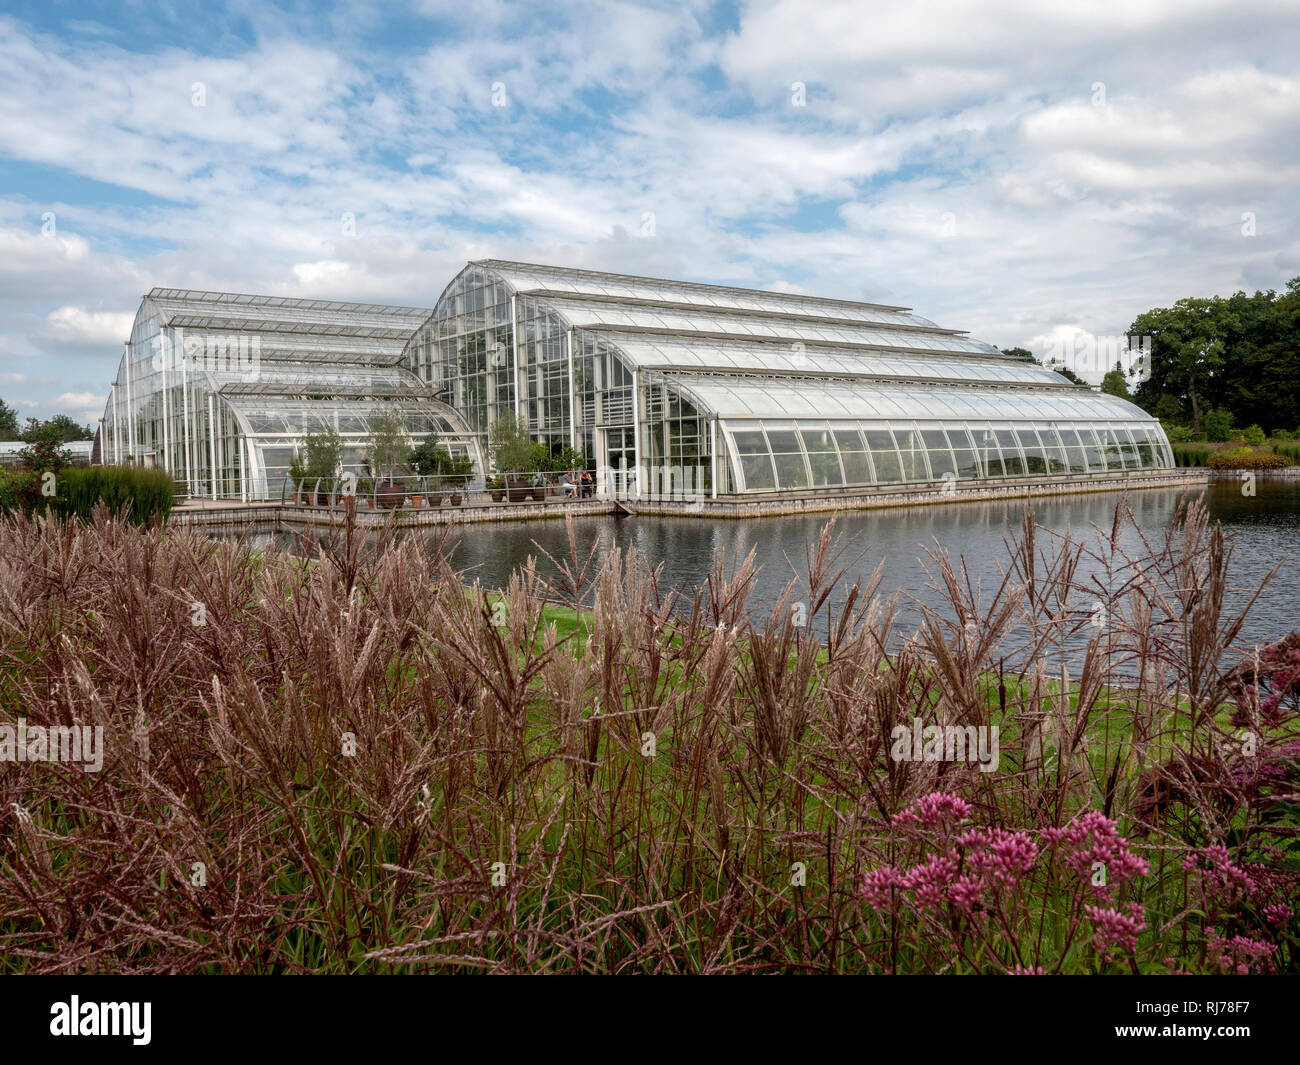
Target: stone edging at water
{"type": "Point", "coordinates": [237, 517]}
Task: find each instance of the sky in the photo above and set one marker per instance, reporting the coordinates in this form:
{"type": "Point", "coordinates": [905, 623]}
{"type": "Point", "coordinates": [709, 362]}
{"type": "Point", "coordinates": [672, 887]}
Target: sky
{"type": "Point", "coordinates": [1035, 172]}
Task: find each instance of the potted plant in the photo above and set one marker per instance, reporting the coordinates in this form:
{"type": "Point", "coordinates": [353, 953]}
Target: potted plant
{"type": "Point", "coordinates": [390, 496]}
{"type": "Point", "coordinates": [417, 500]}
{"type": "Point", "coordinates": [497, 488]}
{"type": "Point", "coordinates": [455, 496]}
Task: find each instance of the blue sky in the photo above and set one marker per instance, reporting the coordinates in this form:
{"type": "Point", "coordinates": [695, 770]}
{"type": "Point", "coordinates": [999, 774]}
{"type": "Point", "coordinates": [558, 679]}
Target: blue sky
{"type": "Point", "coordinates": [1035, 173]}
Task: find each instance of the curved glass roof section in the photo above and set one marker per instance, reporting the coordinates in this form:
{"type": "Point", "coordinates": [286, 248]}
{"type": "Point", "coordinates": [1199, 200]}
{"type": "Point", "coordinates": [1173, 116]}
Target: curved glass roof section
{"type": "Point", "coordinates": [752, 398]}
{"type": "Point", "coordinates": [276, 416]}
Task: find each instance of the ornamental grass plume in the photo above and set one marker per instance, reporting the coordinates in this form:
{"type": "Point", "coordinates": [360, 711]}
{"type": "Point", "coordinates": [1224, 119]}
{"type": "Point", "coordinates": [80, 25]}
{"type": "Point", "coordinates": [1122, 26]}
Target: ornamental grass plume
{"type": "Point", "coordinates": [354, 759]}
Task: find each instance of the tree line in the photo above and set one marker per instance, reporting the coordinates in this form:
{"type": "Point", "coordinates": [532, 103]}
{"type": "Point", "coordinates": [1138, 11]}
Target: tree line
{"type": "Point", "coordinates": [59, 429]}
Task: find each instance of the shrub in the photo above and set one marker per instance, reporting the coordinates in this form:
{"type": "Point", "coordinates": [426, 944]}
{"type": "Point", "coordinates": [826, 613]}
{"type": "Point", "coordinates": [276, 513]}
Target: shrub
{"type": "Point", "coordinates": [44, 450]}
{"type": "Point", "coordinates": [1253, 435]}
{"type": "Point", "coordinates": [1283, 434]}
{"type": "Point", "coordinates": [1218, 425]}
{"type": "Point", "coordinates": [1177, 434]}
{"type": "Point", "coordinates": [1243, 458]}
{"type": "Point", "coordinates": [20, 490]}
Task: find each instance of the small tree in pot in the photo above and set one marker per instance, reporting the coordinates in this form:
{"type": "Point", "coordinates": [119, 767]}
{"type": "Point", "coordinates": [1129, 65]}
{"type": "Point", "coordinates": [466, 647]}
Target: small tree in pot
{"type": "Point", "coordinates": [387, 447]}
{"type": "Point", "coordinates": [317, 460]}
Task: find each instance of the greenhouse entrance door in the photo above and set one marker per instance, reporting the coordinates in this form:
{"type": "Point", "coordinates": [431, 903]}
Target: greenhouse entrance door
{"type": "Point", "coordinates": [616, 461]}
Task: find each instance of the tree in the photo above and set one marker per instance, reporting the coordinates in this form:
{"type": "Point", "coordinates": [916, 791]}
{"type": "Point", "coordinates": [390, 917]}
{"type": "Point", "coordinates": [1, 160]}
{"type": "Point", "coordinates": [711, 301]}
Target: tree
{"type": "Point", "coordinates": [1018, 353]}
{"type": "Point", "coordinates": [317, 457]}
{"type": "Point", "coordinates": [428, 458]}
{"type": "Point", "coordinates": [1114, 384]}
{"type": "Point", "coordinates": [1187, 346]}
{"type": "Point", "coordinates": [9, 423]}
{"type": "Point", "coordinates": [1066, 372]}
{"type": "Point", "coordinates": [512, 449]}
{"type": "Point", "coordinates": [389, 441]}
{"type": "Point", "coordinates": [44, 451]}
{"type": "Point", "coordinates": [66, 428]}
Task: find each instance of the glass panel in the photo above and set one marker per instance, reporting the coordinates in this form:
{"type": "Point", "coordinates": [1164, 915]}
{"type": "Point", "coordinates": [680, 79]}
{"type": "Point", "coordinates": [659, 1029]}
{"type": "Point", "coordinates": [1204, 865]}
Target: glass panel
{"type": "Point", "coordinates": [966, 463]}
{"type": "Point", "coordinates": [989, 454]}
{"type": "Point", "coordinates": [1128, 449]}
{"type": "Point", "coordinates": [1075, 460]}
{"type": "Point", "coordinates": [857, 467]}
{"type": "Point", "coordinates": [912, 451]}
{"type": "Point", "coordinates": [889, 469]}
{"type": "Point", "coordinates": [822, 457]}
{"type": "Point", "coordinates": [749, 442]}
{"type": "Point", "coordinates": [757, 471]}
{"type": "Point", "coordinates": [784, 441]}
{"type": "Point", "coordinates": [849, 440]}
{"type": "Point", "coordinates": [791, 471]}
{"type": "Point", "coordinates": [1035, 457]}
{"type": "Point", "coordinates": [1012, 463]}
{"type": "Point", "coordinates": [1114, 458]}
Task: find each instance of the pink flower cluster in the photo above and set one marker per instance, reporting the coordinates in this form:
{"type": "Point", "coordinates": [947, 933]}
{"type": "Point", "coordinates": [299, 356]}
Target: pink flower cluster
{"type": "Point", "coordinates": [936, 808]}
{"type": "Point", "coordinates": [930, 881]}
{"type": "Point", "coordinates": [995, 853]}
{"type": "Point", "coordinates": [1277, 914]}
{"type": "Point", "coordinates": [1222, 880]}
{"type": "Point", "coordinates": [1091, 839]}
{"type": "Point", "coordinates": [980, 861]}
{"type": "Point", "coordinates": [1116, 932]}
{"type": "Point", "coordinates": [1240, 956]}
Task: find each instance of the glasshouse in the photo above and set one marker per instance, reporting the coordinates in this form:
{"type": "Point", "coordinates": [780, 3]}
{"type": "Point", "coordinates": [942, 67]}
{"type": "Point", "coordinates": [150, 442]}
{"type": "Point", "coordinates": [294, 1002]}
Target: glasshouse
{"type": "Point", "coordinates": [221, 389]}
{"type": "Point", "coordinates": [668, 388]}
{"type": "Point", "coordinates": [660, 389]}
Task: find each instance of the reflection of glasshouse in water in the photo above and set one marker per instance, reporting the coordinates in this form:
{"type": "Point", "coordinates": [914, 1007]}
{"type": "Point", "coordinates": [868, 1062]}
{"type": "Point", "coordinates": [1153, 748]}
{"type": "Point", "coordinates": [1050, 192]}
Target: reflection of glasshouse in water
{"type": "Point", "coordinates": [663, 386]}
{"type": "Point", "coordinates": [741, 391]}
{"type": "Point", "coordinates": [220, 389]}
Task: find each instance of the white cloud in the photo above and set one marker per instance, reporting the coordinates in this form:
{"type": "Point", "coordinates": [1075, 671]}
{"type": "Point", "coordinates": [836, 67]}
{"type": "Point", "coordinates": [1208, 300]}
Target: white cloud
{"type": "Point", "coordinates": [949, 158]}
{"type": "Point", "coordinates": [99, 327]}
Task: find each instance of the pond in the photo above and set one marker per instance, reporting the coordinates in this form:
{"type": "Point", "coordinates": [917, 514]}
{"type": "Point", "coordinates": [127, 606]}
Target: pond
{"type": "Point", "coordinates": [1264, 530]}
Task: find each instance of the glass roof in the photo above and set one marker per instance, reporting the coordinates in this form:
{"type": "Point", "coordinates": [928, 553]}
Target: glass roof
{"type": "Point", "coordinates": [673, 352]}
{"type": "Point", "coordinates": [530, 277]}
{"type": "Point", "coordinates": [594, 314]}
{"type": "Point", "coordinates": [279, 304]}
{"type": "Point", "coordinates": [748, 397]}
{"type": "Point", "coordinates": [287, 375]}
{"type": "Point", "coordinates": [351, 417]}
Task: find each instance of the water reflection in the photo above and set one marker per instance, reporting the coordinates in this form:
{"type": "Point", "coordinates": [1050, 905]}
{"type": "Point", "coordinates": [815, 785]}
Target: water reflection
{"type": "Point", "coordinates": [1265, 528]}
